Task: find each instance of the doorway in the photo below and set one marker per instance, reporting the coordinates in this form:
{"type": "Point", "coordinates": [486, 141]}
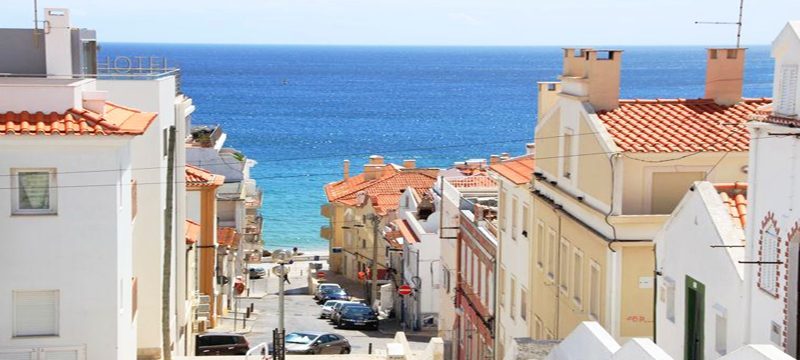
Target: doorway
{"type": "Point", "coordinates": [695, 312]}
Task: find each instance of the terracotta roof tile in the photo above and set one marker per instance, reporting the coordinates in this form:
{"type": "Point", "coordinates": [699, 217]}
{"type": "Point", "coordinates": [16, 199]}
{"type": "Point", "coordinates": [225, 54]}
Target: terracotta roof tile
{"type": "Point", "coordinates": [200, 178]}
{"type": "Point", "coordinates": [518, 170]}
{"type": "Point", "coordinates": [192, 232]}
{"type": "Point", "coordinates": [481, 180]}
{"type": "Point", "coordinates": [680, 125]}
{"type": "Point", "coordinates": [384, 191]}
{"type": "Point", "coordinates": [117, 120]}
{"type": "Point", "coordinates": [226, 236]}
{"type": "Point", "coordinates": [735, 196]}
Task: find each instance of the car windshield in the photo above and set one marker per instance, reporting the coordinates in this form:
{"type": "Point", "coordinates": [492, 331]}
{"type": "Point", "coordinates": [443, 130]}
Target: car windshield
{"type": "Point", "coordinates": [358, 310]}
{"type": "Point", "coordinates": [330, 303]}
{"type": "Point", "coordinates": [300, 338]}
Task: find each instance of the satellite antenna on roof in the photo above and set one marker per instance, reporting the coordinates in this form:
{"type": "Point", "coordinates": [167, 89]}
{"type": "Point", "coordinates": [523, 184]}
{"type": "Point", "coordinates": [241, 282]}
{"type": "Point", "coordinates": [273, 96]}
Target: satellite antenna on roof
{"type": "Point", "coordinates": [738, 24]}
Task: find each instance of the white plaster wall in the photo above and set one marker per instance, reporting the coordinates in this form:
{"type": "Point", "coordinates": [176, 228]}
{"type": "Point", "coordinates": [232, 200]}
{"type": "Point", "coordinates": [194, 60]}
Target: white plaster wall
{"type": "Point", "coordinates": [32, 95]}
{"type": "Point", "coordinates": [683, 248]}
{"type": "Point", "coordinates": [774, 164]}
{"type": "Point", "coordinates": [83, 251]}
{"type": "Point", "coordinates": [516, 258]}
{"type": "Point", "coordinates": [447, 261]}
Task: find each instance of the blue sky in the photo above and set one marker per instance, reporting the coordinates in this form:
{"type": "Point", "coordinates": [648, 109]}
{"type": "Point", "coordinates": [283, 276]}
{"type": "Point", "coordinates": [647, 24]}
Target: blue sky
{"type": "Point", "coordinates": [419, 22]}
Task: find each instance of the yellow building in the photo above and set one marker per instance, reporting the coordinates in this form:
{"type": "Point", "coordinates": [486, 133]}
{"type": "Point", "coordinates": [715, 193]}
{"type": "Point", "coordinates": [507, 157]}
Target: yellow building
{"type": "Point", "coordinates": [608, 173]}
{"type": "Point", "coordinates": [354, 201]}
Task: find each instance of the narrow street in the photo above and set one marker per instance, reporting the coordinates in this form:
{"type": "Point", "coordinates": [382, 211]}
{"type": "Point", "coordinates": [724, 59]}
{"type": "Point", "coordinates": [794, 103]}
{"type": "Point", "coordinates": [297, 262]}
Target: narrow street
{"type": "Point", "coordinates": [302, 314]}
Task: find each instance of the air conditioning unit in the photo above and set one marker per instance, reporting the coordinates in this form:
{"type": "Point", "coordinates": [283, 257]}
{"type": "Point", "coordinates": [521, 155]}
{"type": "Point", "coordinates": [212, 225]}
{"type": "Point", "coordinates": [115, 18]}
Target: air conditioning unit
{"type": "Point", "coordinates": [203, 299]}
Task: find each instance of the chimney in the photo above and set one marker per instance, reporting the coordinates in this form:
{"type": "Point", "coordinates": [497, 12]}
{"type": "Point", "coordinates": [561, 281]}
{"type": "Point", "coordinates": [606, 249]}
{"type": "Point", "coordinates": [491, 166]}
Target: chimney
{"type": "Point", "coordinates": [374, 169]}
{"type": "Point", "coordinates": [593, 76]}
{"type": "Point", "coordinates": [410, 164]}
{"type": "Point", "coordinates": [346, 169]}
{"type": "Point", "coordinates": [505, 156]}
{"type": "Point", "coordinates": [548, 95]}
{"type": "Point", "coordinates": [95, 101]}
{"type": "Point", "coordinates": [725, 75]}
{"type": "Point", "coordinates": [57, 42]}
{"type": "Point", "coordinates": [494, 159]}
{"type": "Point", "coordinates": [530, 148]}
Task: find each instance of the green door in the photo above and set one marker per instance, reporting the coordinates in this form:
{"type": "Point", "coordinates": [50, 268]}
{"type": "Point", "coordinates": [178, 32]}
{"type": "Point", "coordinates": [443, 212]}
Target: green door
{"type": "Point", "coordinates": [695, 310]}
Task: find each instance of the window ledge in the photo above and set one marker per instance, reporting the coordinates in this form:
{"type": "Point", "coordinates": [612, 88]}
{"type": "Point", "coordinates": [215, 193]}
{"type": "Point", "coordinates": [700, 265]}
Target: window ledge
{"type": "Point", "coordinates": [34, 214]}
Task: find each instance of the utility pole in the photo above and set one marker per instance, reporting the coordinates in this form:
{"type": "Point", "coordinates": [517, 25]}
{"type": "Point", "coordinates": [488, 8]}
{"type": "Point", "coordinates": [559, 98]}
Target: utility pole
{"type": "Point", "coordinates": [374, 291]}
{"type": "Point", "coordinates": [167, 266]}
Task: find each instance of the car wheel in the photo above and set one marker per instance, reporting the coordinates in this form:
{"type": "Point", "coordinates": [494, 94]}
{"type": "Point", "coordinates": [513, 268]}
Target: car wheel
{"type": "Point", "coordinates": [345, 351]}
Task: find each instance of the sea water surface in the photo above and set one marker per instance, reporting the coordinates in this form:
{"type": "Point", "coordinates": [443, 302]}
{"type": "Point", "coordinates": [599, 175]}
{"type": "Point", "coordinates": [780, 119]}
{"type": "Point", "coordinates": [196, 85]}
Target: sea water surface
{"type": "Point", "coordinates": [300, 110]}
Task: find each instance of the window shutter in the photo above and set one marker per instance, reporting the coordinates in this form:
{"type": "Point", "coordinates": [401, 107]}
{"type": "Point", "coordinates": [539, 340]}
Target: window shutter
{"type": "Point", "coordinates": [788, 90]}
{"type": "Point", "coordinates": [36, 313]}
{"type": "Point", "coordinates": [61, 355]}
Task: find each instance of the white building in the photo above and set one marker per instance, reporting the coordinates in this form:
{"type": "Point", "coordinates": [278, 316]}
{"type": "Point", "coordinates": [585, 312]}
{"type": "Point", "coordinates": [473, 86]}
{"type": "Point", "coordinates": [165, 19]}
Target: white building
{"type": "Point", "coordinates": [417, 227]}
{"type": "Point", "coordinates": [698, 254]}
{"type": "Point", "coordinates": [514, 252]}
{"type": "Point", "coordinates": [66, 158]}
{"type": "Point", "coordinates": [773, 220]}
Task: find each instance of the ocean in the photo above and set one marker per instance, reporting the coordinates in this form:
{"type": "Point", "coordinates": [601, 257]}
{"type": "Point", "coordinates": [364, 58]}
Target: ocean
{"type": "Point", "coordinates": [300, 110]}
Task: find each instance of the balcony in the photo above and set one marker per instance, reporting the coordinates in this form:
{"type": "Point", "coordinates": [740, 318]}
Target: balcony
{"type": "Point", "coordinates": [204, 136]}
{"type": "Point", "coordinates": [253, 195]}
{"type": "Point", "coordinates": [326, 210]}
{"type": "Point", "coordinates": [326, 233]}
{"type": "Point", "coordinates": [254, 224]}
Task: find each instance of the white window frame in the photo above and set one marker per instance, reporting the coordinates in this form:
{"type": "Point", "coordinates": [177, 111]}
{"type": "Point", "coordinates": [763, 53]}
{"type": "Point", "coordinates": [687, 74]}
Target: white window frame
{"type": "Point", "coordinates": [523, 304]}
{"type": "Point", "coordinates": [514, 222]}
{"type": "Point", "coordinates": [501, 284]}
{"type": "Point", "coordinates": [56, 311]}
{"type": "Point", "coordinates": [503, 212]}
{"type": "Point", "coordinates": [593, 299]}
{"type": "Point", "coordinates": [52, 193]}
{"type": "Point", "coordinates": [577, 278]}
{"type": "Point", "coordinates": [568, 161]}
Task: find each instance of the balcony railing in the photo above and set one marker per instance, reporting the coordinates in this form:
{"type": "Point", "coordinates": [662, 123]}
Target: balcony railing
{"type": "Point", "coordinates": [254, 224]}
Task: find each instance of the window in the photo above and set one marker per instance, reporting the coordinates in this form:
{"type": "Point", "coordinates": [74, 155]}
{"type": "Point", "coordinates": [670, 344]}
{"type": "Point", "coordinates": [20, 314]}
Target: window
{"type": "Point", "coordinates": [768, 255]}
{"type": "Point", "coordinates": [503, 214]}
{"type": "Point", "coordinates": [731, 53]}
{"type": "Point", "coordinates": [489, 289]}
{"type": "Point", "coordinates": [363, 243]}
{"type": "Point", "coordinates": [712, 53]}
{"type": "Point", "coordinates": [523, 304]}
{"type": "Point", "coordinates": [514, 221]}
{"type": "Point", "coordinates": [35, 313]}
{"type": "Point", "coordinates": [34, 191]}
{"type": "Point", "coordinates": [594, 290]}
{"type": "Point", "coordinates": [501, 286]}
{"type": "Point", "coordinates": [669, 284]}
{"type": "Point", "coordinates": [577, 277]}
{"type": "Point", "coordinates": [526, 221]}
{"type": "Point", "coordinates": [537, 328]}
{"type": "Point", "coordinates": [563, 266]}
{"type": "Point", "coordinates": [513, 289]}
{"type": "Point", "coordinates": [721, 331]}
{"type": "Point", "coordinates": [566, 151]}
{"type": "Point", "coordinates": [479, 283]}
{"type": "Point", "coordinates": [540, 240]}
{"type": "Point", "coordinates": [787, 96]}
{"type": "Point", "coordinates": [551, 254]}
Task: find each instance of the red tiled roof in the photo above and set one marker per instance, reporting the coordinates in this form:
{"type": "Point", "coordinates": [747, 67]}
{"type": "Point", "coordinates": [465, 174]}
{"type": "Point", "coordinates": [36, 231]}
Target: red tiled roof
{"type": "Point", "coordinates": [192, 232]}
{"type": "Point", "coordinates": [518, 170]}
{"type": "Point", "coordinates": [226, 236]}
{"type": "Point", "coordinates": [384, 191]}
{"type": "Point", "coordinates": [735, 196]}
{"type": "Point", "coordinates": [117, 120]}
{"type": "Point", "coordinates": [680, 125]}
{"type": "Point", "coordinates": [474, 181]}
{"type": "Point", "coordinates": [201, 178]}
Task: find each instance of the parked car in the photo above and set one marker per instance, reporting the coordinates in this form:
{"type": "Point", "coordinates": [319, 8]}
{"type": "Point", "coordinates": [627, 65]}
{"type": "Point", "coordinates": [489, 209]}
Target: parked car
{"type": "Point", "coordinates": [327, 308]}
{"type": "Point", "coordinates": [358, 316]}
{"type": "Point", "coordinates": [338, 308]}
{"type": "Point", "coordinates": [324, 286]}
{"type": "Point", "coordinates": [257, 272]}
{"type": "Point", "coordinates": [314, 342]}
{"type": "Point", "coordinates": [333, 294]}
{"type": "Point", "coordinates": [221, 344]}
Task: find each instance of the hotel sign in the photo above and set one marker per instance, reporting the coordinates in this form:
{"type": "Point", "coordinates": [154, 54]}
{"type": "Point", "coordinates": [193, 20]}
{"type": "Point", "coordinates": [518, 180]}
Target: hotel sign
{"type": "Point", "coordinates": [133, 64]}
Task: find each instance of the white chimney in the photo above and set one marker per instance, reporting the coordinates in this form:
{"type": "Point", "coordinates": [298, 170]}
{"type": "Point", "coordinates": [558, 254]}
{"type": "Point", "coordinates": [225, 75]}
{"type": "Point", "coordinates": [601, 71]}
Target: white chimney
{"type": "Point", "coordinates": [95, 101]}
{"type": "Point", "coordinates": [57, 42]}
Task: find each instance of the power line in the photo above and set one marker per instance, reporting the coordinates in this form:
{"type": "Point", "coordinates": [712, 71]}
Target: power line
{"type": "Point", "coordinates": [201, 164]}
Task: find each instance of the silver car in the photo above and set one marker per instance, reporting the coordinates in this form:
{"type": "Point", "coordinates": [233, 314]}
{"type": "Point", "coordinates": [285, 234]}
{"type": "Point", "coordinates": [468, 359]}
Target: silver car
{"type": "Point", "coordinates": [313, 342]}
{"type": "Point", "coordinates": [327, 308]}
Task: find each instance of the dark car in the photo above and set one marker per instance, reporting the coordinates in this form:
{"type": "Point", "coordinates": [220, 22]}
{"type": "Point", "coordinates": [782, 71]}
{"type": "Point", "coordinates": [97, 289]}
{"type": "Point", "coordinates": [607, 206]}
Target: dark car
{"type": "Point", "coordinates": [314, 342]}
{"type": "Point", "coordinates": [257, 272]}
{"type": "Point", "coordinates": [333, 294]}
{"type": "Point", "coordinates": [358, 316]}
{"type": "Point", "coordinates": [221, 344]}
{"type": "Point", "coordinates": [325, 287]}
{"type": "Point", "coordinates": [338, 308]}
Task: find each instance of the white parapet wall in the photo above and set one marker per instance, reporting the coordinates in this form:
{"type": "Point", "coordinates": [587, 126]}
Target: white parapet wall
{"type": "Point", "coordinates": [589, 341]}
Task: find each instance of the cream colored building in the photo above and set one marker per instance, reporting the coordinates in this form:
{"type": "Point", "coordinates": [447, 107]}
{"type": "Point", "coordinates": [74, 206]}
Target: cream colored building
{"type": "Point", "coordinates": [608, 172]}
{"type": "Point", "coordinates": [513, 310]}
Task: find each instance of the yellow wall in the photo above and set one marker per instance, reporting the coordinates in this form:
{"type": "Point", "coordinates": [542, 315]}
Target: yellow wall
{"type": "Point", "coordinates": [636, 317]}
{"type": "Point", "coordinates": [547, 141]}
{"type": "Point", "coordinates": [558, 312]}
{"type": "Point", "coordinates": [594, 171]}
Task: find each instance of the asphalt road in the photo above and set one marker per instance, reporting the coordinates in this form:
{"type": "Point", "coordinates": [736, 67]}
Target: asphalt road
{"type": "Point", "coordinates": [302, 314]}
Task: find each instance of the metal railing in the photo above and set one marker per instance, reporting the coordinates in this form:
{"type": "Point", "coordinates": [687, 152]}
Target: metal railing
{"type": "Point", "coordinates": [262, 346]}
{"type": "Point", "coordinates": [132, 73]}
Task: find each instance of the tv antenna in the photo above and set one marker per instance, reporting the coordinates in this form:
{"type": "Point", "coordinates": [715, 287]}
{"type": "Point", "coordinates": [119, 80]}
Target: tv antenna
{"type": "Point", "coordinates": [737, 23]}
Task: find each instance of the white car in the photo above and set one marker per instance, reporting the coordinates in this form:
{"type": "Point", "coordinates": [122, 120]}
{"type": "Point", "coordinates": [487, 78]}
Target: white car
{"type": "Point", "coordinates": [327, 308]}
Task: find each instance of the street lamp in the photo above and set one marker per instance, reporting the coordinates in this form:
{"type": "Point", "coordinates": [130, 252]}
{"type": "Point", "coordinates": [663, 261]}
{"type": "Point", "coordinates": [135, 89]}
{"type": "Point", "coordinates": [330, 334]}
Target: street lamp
{"type": "Point", "coordinates": [281, 257]}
